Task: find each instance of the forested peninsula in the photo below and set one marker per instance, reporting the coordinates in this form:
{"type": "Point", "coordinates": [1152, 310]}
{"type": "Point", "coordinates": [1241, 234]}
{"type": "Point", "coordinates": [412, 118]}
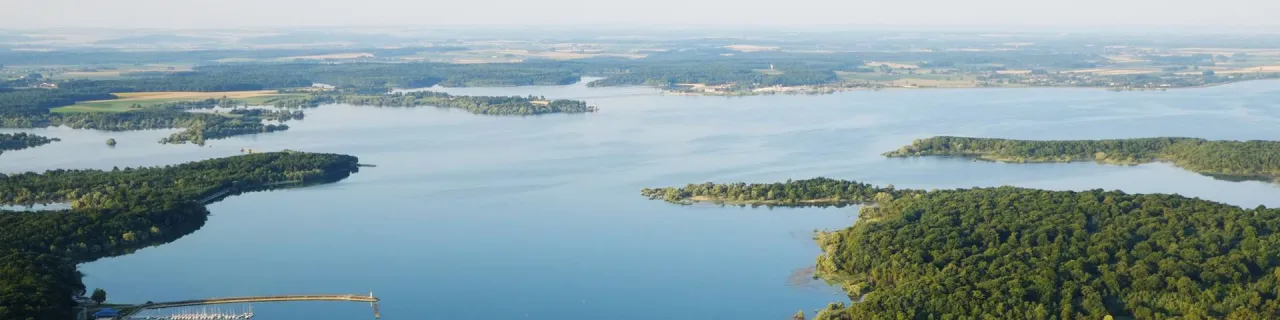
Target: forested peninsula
{"type": "Point", "coordinates": [22, 140]}
{"type": "Point", "coordinates": [118, 211]}
{"type": "Point", "coordinates": [36, 108]}
{"type": "Point", "coordinates": [1014, 253]}
{"type": "Point", "coordinates": [1228, 159]}
{"type": "Point", "coordinates": [484, 105]}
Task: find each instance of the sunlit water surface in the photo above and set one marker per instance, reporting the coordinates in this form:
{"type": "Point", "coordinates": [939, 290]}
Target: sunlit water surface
{"type": "Point", "coordinates": [480, 217]}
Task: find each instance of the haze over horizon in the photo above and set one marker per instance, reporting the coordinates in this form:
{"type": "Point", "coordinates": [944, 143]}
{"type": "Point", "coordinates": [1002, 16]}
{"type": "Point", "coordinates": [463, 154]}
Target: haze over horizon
{"type": "Point", "coordinates": [1253, 15]}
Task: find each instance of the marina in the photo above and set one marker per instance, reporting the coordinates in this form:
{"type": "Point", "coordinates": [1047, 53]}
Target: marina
{"type": "Point", "coordinates": [200, 313]}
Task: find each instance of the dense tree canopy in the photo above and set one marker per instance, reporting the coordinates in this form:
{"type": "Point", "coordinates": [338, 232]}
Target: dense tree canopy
{"type": "Point", "coordinates": [199, 126]}
{"type": "Point", "coordinates": [27, 108]}
{"type": "Point", "coordinates": [816, 191]}
{"type": "Point", "coordinates": [118, 211]}
{"type": "Point", "coordinates": [1227, 158]}
{"type": "Point", "coordinates": [38, 101]}
{"type": "Point", "coordinates": [1014, 253]}
{"type": "Point", "coordinates": [31, 109]}
{"type": "Point", "coordinates": [188, 81]}
{"type": "Point", "coordinates": [486, 105]}
{"type": "Point", "coordinates": [22, 140]}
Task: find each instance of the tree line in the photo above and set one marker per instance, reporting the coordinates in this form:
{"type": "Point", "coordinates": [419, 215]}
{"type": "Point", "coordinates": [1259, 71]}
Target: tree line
{"type": "Point", "coordinates": [22, 140]}
{"type": "Point", "coordinates": [748, 74]}
{"type": "Point", "coordinates": [118, 211]}
{"type": "Point", "coordinates": [189, 81]}
{"type": "Point", "coordinates": [817, 191]}
{"type": "Point", "coordinates": [39, 101]}
{"type": "Point", "coordinates": [485, 105]}
{"type": "Point", "coordinates": [1224, 158]}
{"type": "Point", "coordinates": [402, 75]}
{"type": "Point", "coordinates": [198, 127]}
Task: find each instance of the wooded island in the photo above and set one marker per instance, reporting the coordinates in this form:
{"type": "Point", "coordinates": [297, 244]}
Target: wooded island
{"type": "Point", "coordinates": [815, 192]}
{"type": "Point", "coordinates": [1241, 159]}
{"type": "Point", "coordinates": [22, 140]}
{"type": "Point", "coordinates": [483, 105]}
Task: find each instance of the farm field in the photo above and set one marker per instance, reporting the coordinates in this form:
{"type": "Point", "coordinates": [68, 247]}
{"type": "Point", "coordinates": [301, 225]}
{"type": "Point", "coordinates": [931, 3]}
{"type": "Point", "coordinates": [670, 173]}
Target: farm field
{"type": "Point", "coordinates": [120, 72]}
{"type": "Point", "coordinates": [127, 100]}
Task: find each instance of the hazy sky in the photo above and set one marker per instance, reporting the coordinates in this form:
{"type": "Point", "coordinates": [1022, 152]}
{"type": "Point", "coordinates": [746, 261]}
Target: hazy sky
{"type": "Point", "coordinates": [1254, 14]}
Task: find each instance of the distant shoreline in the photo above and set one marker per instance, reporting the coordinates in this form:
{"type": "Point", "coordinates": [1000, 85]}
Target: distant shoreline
{"type": "Point", "coordinates": [1227, 160]}
{"type": "Point", "coordinates": [833, 90]}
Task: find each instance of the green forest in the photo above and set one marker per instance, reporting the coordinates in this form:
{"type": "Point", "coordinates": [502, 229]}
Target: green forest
{"type": "Point", "coordinates": [198, 126]}
{"type": "Point", "coordinates": [118, 211]}
{"type": "Point", "coordinates": [397, 75]}
{"type": "Point", "coordinates": [485, 105]}
{"type": "Point", "coordinates": [1245, 159]}
{"type": "Point", "coordinates": [22, 140]}
{"type": "Point", "coordinates": [31, 109]}
{"type": "Point", "coordinates": [707, 65]}
{"type": "Point", "coordinates": [1014, 253]}
{"type": "Point", "coordinates": [713, 73]}
{"type": "Point", "coordinates": [816, 191]}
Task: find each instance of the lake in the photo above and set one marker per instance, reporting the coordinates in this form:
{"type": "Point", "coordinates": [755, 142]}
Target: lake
{"type": "Point", "coordinates": [482, 217]}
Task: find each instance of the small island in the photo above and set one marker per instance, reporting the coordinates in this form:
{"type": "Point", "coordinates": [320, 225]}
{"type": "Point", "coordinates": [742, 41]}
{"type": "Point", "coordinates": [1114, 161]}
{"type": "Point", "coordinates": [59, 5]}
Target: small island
{"type": "Point", "coordinates": [483, 105]}
{"type": "Point", "coordinates": [1016, 253]}
{"type": "Point", "coordinates": [22, 140]}
{"type": "Point", "coordinates": [1252, 160]}
{"type": "Point", "coordinates": [809, 192]}
{"type": "Point", "coordinates": [118, 211]}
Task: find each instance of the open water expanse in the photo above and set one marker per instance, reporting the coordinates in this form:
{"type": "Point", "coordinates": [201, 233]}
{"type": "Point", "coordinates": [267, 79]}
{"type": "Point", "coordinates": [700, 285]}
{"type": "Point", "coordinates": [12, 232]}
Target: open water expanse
{"type": "Point", "coordinates": [483, 217]}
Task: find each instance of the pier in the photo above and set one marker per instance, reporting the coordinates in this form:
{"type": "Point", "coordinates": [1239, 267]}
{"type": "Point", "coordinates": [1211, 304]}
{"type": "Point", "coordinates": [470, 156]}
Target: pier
{"type": "Point", "coordinates": [373, 302]}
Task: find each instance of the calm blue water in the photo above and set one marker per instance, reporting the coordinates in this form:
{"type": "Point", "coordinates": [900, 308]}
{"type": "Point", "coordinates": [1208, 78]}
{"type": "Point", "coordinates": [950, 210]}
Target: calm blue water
{"type": "Point", "coordinates": [475, 217]}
